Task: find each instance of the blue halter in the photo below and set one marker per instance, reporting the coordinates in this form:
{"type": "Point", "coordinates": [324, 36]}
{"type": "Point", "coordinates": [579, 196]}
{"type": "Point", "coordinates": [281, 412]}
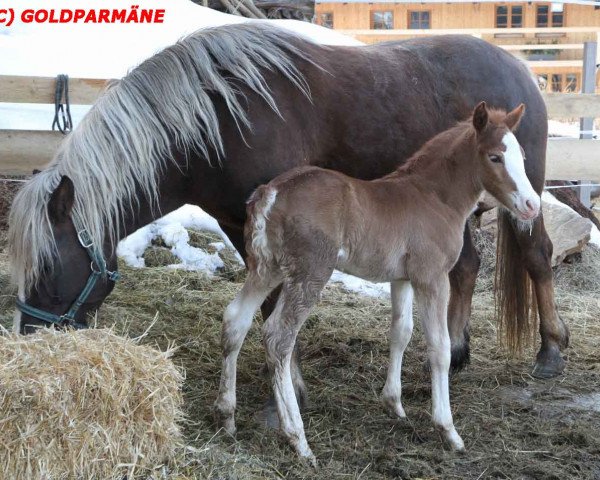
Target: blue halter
{"type": "Point", "coordinates": [68, 319]}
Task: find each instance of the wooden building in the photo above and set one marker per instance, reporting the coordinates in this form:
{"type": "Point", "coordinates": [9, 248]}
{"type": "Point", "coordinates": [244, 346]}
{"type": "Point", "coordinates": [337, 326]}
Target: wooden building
{"type": "Point", "coordinates": [550, 36]}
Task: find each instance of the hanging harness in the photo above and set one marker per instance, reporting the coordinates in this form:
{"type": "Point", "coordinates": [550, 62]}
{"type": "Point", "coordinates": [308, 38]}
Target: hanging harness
{"type": "Point", "coordinates": [98, 270]}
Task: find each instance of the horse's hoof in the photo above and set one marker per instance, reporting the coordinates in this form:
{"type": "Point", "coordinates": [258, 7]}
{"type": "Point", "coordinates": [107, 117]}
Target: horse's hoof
{"type": "Point", "coordinates": [549, 364]}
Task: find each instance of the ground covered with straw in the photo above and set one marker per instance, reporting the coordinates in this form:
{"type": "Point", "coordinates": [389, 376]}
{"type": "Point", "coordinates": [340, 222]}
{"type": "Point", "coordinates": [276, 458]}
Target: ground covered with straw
{"type": "Point", "coordinates": [514, 426]}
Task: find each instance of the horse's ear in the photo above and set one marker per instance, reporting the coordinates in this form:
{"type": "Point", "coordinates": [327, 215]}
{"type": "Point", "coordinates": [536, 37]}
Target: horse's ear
{"type": "Point", "coordinates": [513, 118]}
{"type": "Point", "coordinates": [61, 200]}
{"type": "Point", "coordinates": [480, 117]}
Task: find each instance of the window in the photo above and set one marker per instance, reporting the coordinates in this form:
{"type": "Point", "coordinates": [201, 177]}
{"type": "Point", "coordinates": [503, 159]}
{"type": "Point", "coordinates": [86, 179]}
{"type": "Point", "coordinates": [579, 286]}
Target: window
{"type": "Point", "coordinates": [516, 16]}
{"type": "Point", "coordinates": [557, 10]}
{"type": "Point", "coordinates": [417, 20]}
{"type": "Point", "coordinates": [506, 17]}
{"type": "Point", "coordinates": [382, 20]}
{"type": "Point", "coordinates": [541, 17]}
{"type": "Point", "coordinates": [550, 15]}
{"type": "Point", "coordinates": [543, 81]}
{"type": "Point", "coordinates": [556, 82]}
{"type": "Point", "coordinates": [571, 82]}
{"type": "Point", "coordinates": [501, 17]}
{"type": "Point", "coordinates": [326, 19]}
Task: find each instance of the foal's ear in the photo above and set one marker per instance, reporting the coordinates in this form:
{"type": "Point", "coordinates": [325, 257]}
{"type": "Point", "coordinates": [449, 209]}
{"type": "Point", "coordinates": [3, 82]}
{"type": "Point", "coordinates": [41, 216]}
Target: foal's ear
{"type": "Point", "coordinates": [480, 117]}
{"type": "Point", "coordinates": [61, 200]}
{"type": "Point", "coordinates": [513, 118]}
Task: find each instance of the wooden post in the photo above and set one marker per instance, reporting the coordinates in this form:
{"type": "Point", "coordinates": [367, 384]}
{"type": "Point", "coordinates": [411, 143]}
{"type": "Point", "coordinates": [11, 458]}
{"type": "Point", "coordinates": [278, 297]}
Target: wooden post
{"type": "Point", "coordinates": [588, 85]}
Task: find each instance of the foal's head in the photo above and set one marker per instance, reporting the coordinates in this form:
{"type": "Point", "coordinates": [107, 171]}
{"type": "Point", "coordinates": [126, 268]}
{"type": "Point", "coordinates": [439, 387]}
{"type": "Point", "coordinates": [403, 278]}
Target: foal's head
{"type": "Point", "coordinates": [502, 161]}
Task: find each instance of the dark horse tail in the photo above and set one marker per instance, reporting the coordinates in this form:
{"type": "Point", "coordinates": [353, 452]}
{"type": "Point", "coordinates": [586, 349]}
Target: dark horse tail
{"type": "Point", "coordinates": [516, 306]}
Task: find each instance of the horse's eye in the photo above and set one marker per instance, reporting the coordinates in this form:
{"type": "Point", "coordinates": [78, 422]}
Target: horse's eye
{"type": "Point", "coordinates": [55, 300]}
{"type": "Point", "coordinates": [496, 158]}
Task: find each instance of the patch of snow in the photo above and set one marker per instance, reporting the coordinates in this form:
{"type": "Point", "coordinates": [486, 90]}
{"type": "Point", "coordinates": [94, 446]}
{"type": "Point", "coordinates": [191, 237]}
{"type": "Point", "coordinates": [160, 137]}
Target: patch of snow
{"type": "Point", "coordinates": [563, 129]}
{"type": "Point", "coordinates": [108, 50]}
{"type": "Point", "coordinates": [358, 285]}
{"type": "Point", "coordinates": [172, 229]}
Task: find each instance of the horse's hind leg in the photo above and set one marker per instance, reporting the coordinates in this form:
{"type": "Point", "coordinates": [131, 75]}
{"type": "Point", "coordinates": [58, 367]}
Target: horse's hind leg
{"type": "Point", "coordinates": [400, 333]}
{"type": "Point", "coordinates": [432, 300]}
{"type": "Point", "coordinates": [236, 323]}
{"type": "Point", "coordinates": [462, 285]}
{"type": "Point", "coordinates": [536, 250]}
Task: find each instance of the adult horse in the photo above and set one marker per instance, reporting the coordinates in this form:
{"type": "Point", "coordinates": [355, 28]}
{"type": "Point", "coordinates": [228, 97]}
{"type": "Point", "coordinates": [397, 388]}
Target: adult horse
{"type": "Point", "coordinates": [224, 110]}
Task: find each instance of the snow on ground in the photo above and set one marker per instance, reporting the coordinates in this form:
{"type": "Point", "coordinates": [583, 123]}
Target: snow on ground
{"type": "Point", "coordinates": [172, 230]}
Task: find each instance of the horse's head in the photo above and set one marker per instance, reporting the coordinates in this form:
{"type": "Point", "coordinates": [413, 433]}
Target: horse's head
{"type": "Point", "coordinates": [77, 278]}
{"type": "Point", "coordinates": [502, 161]}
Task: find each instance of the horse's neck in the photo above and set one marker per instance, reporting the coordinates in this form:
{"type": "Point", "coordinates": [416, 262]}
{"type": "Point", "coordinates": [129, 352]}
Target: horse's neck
{"type": "Point", "coordinates": [172, 194]}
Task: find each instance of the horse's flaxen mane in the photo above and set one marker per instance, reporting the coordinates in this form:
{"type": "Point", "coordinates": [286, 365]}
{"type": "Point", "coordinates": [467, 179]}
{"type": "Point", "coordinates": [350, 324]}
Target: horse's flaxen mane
{"type": "Point", "coordinates": [127, 138]}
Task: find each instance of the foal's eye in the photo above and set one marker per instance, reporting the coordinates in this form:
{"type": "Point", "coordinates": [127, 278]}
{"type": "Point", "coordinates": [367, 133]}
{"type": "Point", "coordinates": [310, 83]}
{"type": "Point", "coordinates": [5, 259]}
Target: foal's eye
{"type": "Point", "coordinates": [496, 158]}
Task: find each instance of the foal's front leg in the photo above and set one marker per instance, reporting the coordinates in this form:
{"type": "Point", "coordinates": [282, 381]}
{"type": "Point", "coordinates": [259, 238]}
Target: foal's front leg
{"type": "Point", "coordinates": [433, 305]}
{"type": "Point", "coordinates": [400, 333]}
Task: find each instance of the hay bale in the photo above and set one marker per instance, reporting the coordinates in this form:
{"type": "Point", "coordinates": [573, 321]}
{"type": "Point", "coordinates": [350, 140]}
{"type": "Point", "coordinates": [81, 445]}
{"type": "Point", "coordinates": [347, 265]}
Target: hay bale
{"type": "Point", "coordinates": [86, 404]}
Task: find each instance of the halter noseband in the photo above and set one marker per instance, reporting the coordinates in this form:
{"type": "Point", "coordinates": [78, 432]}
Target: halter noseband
{"type": "Point", "coordinates": [68, 319]}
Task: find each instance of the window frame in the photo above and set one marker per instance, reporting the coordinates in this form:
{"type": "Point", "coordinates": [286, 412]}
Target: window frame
{"type": "Point", "coordinates": [550, 15]}
{"type": "Point", "coordinates": [509, 14]}
{"type": "Point", "coordinates": [321, 23]}
{"type": "Point", "coordinates": [374, 12]}
{"type": "Point", "coordinates": [420, 12]}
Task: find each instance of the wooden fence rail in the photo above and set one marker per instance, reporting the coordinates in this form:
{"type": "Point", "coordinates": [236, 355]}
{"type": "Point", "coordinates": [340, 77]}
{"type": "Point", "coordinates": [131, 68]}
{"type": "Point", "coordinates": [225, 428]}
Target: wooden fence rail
{"type": "Point", "coordinates": [23, 150]}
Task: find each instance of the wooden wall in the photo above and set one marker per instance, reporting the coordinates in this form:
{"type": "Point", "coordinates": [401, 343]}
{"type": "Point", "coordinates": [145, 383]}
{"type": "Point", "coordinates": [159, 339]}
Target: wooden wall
{"type": "Point", "coordinates": [354, 16]}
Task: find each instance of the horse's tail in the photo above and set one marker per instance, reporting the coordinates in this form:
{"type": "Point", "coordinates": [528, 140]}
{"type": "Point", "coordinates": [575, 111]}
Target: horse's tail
{"type": "Point", "coordinates": [516, 306]}
{"type": "Point", "coordinates": [260, 252]}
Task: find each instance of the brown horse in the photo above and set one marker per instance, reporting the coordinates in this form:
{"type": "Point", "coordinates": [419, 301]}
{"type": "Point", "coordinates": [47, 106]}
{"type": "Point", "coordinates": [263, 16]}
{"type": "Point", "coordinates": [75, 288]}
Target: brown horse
{"type": "Point", "coordinates": [225, 110]}
{"type": "Point", "coordinates": [405, 228]}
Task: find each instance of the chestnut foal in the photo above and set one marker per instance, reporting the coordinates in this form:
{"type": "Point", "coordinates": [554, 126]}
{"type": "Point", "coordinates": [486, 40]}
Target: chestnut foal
{"type": "Point", "coordinates": [405, 228]}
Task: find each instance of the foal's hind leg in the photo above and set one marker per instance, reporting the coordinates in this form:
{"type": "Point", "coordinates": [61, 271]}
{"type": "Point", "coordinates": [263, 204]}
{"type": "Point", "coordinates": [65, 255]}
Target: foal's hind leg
{"type": "Point", "coordinates": [236, 323]}
{"type": "Point", "coordinates": [400, 333]}
{"type": "Point", "coordinates": [269, 413]}
{"type": "Point", "coordinates": [432, 300]}
{"type": "Point", "coordinates": [268, 416]}
{"type": "Point", "coordinates": [280, 332]}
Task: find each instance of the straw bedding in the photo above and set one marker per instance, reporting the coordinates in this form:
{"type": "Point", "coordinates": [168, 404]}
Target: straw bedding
{"type": "Point", "coordinates": [86, 404]}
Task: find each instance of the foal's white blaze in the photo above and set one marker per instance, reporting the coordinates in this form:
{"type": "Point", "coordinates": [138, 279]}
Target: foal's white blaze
{"type": "Point", "coordinates": [526, 200]}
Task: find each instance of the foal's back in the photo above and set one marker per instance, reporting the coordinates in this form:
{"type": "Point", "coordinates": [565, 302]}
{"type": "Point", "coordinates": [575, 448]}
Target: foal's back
{"type": "Point", "coordinates": [366, 228]}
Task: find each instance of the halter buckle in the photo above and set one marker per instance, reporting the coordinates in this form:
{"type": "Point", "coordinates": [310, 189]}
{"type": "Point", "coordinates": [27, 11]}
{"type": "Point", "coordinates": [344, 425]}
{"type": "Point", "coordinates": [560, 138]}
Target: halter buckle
{"type": "Point", "coordinates": [84, 238]}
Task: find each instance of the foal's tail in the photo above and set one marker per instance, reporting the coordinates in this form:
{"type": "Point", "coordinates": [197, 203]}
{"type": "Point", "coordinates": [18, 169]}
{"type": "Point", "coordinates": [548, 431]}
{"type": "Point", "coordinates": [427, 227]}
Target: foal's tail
{"type": "Point", "coordinates": [516, 306]}
{"type": "Point", "coordinates": [259, 205]}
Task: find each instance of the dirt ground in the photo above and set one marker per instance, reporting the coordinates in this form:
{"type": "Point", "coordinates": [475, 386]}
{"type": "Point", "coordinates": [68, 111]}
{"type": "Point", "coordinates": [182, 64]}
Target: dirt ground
{"type": "Point", "coordinates": [513, 425]}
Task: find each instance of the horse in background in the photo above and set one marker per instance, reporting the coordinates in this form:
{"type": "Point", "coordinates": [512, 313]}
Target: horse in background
{"type": "Point", "coordinates": [224, 110]}
{"type": "Point", "coordinates": [405, 228]}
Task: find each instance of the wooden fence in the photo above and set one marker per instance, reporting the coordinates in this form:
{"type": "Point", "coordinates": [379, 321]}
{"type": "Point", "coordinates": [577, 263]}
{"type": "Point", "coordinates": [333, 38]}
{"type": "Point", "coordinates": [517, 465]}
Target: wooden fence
{"type": "Point", "coordinates": [23, 150]}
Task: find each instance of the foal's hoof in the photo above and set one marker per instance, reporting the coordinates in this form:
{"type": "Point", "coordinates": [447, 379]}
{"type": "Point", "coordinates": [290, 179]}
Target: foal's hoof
{"type": "Point", "coordinates": [549, 364]}
{"type": "Point", "coordinates": [454, 440]}
{"type": "Point", "coordinates": [224, 421]}
{"type": "Point", "coordinates": [393, 409]}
